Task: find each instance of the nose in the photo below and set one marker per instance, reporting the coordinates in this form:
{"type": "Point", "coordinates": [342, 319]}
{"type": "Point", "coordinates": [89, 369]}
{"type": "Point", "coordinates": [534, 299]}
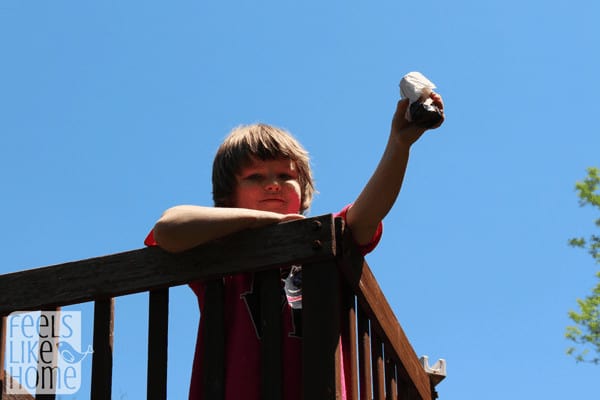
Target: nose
{"type": "Point", "coordinates": [272, 185]}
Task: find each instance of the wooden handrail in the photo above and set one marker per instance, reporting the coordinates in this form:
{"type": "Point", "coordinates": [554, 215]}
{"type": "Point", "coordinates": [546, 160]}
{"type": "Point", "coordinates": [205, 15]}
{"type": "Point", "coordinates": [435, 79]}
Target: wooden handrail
{"type": "Point", "coordinates": [146, 269]}
{"type": "Point", "coordinates": [320, 244]}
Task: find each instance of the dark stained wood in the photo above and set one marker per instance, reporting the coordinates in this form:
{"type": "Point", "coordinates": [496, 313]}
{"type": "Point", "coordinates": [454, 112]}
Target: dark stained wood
{"type": "Point", "coordinates": [5, 396]}
{"type": "Point", "coordinates": [49, 396]}
{"type": "Point", "coordinates": [321, 331]}
{"type": "Point", "coordinates": [349, 324]}
{"type": "Point", "coordinates": [371, 299]}
{"type": "Point", "coordinates": [378, 367]}
{"type": "Point", "coordinates": [19, 392]}
{"type": "Point", "coordinates": [316, 243]}
{"type": "Point", "coordinates": [213, 359]}
{"type": "Point", "coordinates": [48, 333]}
{"type": "Point", "coordinates": [152, 268]}
{"type": "Point", "coordinates": [5, 379]}
{"type": "Point", "coordinates": [269, 283]}
{"type": "Point", "coordinates": [391, 386]}
{"type": "Point", "coordinates": [102, 358]}
{"type": "Point", "coordinates": [158, 340]}
{"type": "Point", "coordinates": [364, 356]}
{"type": "Point", "coordinates": [406, 391]}
{"type": "Point", "coordinates": [2, 342]}
{"type": "Point", "coordinates": [388, 327]}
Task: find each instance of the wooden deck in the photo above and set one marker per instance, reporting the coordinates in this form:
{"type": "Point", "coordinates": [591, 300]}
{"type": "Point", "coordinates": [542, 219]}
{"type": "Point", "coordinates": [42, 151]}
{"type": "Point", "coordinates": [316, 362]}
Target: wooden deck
{"type": "Point", "coordinates": [383, 363]}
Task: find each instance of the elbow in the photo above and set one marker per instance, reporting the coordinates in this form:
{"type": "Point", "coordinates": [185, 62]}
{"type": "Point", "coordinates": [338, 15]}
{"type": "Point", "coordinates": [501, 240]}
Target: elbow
{"type": "Point", "coordinates": [363, 225]}
{"type": "Point", "coordinates": [363, 235]}
{"type": "Point", "coordinates": [165, 234]}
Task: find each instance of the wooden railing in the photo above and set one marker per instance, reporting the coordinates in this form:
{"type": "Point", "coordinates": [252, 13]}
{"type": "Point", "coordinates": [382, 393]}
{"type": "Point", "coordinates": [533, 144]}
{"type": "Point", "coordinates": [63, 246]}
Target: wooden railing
{"type": "Point", "coordinates": [383, 363]}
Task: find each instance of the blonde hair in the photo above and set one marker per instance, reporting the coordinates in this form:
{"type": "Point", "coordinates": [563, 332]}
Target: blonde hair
{"type": "Point", "coordinates": [264, 142]}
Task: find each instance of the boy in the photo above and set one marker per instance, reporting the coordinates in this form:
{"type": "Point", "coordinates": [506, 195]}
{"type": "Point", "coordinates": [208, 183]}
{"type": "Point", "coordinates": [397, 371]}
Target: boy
{"type": "Point", "coordinates": [261, 176]}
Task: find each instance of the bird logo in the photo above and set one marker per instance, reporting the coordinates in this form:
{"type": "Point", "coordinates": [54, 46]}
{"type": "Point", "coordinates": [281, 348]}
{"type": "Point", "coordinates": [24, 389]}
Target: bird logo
{"type": "Point", "coordinates": [70, 355]}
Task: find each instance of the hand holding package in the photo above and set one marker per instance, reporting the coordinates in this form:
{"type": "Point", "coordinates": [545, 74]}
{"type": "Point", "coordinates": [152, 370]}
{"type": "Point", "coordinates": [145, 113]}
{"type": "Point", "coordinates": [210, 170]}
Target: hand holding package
{"type": "Point", "coordinates": [417, 88]}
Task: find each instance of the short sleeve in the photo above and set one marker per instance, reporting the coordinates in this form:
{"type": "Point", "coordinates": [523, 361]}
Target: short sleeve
{"type": "Point", "coordinates": [367, 248]}
{"type": "Point", "coordinates": [149, 241]}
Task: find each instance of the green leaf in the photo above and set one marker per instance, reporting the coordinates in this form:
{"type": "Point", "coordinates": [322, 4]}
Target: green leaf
{"type": "Point", "coordinates": [585, 334]}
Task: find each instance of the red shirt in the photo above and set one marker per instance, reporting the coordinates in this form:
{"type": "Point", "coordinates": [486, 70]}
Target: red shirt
{"type": "Point", "coordinates": [242, 342]}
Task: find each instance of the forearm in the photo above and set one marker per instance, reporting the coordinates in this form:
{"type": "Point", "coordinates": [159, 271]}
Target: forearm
{"type": "Point", "coordinates": [381, 191]}
{"type": "Point", "coordinates": [183, 227]}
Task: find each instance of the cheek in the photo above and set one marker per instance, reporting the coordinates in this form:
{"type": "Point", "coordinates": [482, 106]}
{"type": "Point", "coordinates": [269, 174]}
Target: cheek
{"type": "Point", "coordinates": [294, 190]}
{"type": "Point", "coordinates": [243, 196]}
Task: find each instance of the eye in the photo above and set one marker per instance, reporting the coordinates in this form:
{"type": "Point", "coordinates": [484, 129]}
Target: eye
{"type": "Point", "coordinates": [253, 177]}
{"type": "Point", "coordinates": [285, 176]}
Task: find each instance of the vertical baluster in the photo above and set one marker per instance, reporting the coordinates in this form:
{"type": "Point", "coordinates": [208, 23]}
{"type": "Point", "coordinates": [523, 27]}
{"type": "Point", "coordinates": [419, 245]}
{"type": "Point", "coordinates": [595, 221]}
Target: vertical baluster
{"type": "Point", "coordinates": [364, 356]}
{"type": "Point", "coordinates": [158, 328]}
{"type": "Point", "coordinates": [404, 392]}
{"type": "Point", "coordinates": [391, 388]}
{"type": "Point", "coordinates": [2, 343]}
{"type": "Point", "coordinates": [48, 334]}
{"type": "Point", "coordinates": [269, 283]}
{"type": "Point", "coordinates": [321, 331]}
{"type": "Point", "coordinates": [349, 324]}
{"type": "Point", "coordinates": [379, 374]}
{"type": "Point", "coordinates": [2, 350]}
{"type": "Point", "coordinates": [405, 387]}
{"type": "Point", "coordinates": [213, 359]}
{"type": "Point", "coordinates": [102, 358]}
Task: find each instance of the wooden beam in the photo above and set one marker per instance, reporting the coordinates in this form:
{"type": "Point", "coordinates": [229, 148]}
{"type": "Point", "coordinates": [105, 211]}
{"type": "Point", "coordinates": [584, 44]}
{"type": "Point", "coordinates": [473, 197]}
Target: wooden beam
{"type": "Point", "coordinates": [301, 241]}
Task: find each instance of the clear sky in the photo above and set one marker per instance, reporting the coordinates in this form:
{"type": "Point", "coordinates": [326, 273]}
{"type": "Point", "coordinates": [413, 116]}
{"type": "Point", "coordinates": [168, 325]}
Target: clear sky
{"type": "Point", "coordinates": [111, 111]}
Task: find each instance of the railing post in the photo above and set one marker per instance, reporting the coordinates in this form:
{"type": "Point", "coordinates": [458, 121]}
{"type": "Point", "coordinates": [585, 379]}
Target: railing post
{"type": "Point", "coordinates": [270, 321]}
{"type": "Point", "coordinates": [48, 329]}
{"type": "Point", "coordinates": [2, 343]}
{"type": "Point", "coordinates": [321, 331]}
{"type": "Point", "coordinates": [213, 358]}
{"type": "Point", "coordinates": [102, 358]}
{"type": "Point", "coordinates": [158, 340]}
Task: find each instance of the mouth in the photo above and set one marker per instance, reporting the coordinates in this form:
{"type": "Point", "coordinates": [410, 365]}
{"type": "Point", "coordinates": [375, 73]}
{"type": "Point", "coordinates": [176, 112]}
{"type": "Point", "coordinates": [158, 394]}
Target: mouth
{"type": "Point", "coordinates": [272, 200]}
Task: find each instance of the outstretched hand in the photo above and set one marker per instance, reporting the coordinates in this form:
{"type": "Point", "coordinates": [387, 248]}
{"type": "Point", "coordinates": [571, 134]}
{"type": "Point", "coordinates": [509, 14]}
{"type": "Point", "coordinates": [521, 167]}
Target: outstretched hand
{"type": "Point", "coordinates": [409, 132]}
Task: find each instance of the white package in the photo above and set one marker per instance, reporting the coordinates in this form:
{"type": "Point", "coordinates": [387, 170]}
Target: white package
{"type": "Point", "coordinates": [415, 86]}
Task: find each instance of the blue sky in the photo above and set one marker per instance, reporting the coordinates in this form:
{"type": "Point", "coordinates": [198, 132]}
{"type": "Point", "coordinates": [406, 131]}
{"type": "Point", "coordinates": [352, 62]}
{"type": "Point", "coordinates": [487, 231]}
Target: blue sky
{"type": "Point", "coordinates": [111, 111]}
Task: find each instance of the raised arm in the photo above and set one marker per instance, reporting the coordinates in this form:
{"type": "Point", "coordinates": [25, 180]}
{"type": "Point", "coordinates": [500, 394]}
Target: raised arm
{"type": "Point", "coordinates": [380, 193]}
{"type": "Point", "coordinates": [183, 227]}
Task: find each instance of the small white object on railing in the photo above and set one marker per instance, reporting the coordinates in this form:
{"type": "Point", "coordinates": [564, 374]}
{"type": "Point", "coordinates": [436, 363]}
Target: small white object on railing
{"type": "Point", "coordinates": [437, 372]}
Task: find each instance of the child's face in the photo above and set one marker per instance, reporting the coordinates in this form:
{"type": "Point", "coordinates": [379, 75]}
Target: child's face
{"type": "Point", "coordinates": [269, 185]}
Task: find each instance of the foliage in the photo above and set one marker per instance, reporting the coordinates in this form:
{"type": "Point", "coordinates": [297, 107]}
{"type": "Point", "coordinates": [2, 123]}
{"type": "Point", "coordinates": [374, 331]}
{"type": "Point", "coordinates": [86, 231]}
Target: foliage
{"type": "Point", "coordinates": [585, 334]}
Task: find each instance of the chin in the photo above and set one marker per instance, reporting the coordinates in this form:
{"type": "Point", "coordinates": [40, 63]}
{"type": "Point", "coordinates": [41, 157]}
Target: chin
{"type": "Point", "coordinates": [274, 206]}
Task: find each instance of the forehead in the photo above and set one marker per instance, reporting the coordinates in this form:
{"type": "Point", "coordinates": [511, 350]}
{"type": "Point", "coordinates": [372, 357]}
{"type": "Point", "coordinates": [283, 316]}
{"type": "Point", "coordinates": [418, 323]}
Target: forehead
{"type": "Point", "coordinates": [280, 163]}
